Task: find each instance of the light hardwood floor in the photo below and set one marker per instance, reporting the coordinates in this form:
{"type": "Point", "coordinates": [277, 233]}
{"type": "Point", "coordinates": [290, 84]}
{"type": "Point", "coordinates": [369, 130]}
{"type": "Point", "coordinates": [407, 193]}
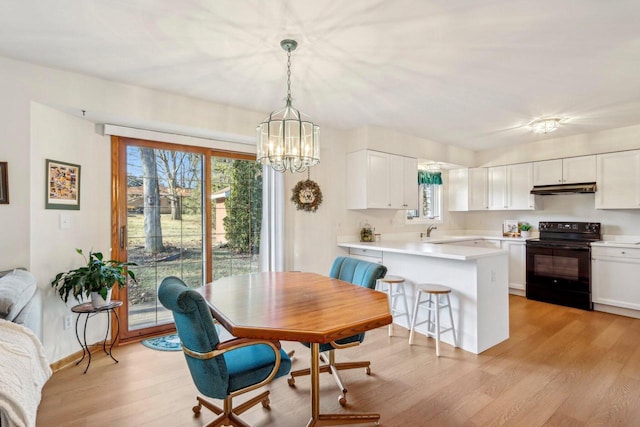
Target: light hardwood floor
{"type": "Point", "coordinates": [561, 367]}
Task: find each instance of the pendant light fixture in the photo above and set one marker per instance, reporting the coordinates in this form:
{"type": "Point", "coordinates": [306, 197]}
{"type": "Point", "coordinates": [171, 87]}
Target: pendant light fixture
{"type": "Point", "coordinates": [285, 140]}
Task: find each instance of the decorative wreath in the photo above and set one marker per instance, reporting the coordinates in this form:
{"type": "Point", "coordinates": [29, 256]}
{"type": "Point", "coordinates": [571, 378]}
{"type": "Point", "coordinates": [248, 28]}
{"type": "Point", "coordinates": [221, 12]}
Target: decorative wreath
{"type": "Point", "coordinates": [307, 196]}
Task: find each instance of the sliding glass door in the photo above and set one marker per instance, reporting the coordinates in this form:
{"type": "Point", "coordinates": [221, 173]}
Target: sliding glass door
{"type": "Point", "coordinates": [181, 211]}
{"type": "Point", "coordinates": [236, 212]}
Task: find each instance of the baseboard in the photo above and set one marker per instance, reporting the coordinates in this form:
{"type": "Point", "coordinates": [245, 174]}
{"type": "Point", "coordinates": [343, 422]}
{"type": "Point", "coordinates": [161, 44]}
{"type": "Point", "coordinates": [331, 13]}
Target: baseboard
{"type": "Point", "coordinates": [516, 291]}
{"type": "Point", "coordinates": [74, 357]}
{"type": "Point", "coordinates": [617, 310]}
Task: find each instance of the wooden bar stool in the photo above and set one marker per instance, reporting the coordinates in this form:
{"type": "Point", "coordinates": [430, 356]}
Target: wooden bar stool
{"type": "Point", "coordinates": [433, 304]}
{"type": "Point", "coordinates": [394, 287]}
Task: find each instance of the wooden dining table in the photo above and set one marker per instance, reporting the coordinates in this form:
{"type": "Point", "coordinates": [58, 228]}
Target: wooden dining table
{"type": "Point", "coordinates": [298, 306]}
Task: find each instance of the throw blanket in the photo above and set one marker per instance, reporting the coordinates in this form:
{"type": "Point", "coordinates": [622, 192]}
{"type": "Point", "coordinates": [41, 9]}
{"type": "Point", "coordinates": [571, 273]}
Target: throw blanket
{"type": "Point", "coordinates": [23, 371]}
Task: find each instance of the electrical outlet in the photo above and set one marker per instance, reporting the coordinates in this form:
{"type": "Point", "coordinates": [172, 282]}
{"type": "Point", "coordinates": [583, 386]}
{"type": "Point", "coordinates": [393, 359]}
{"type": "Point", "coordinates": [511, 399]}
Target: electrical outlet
{"type": "Point", "coordinates": [68, 321]}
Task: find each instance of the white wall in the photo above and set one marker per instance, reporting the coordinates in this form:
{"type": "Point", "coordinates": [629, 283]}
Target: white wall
{"type": "Point", "coordinates": [59, 136]}
{"type": "Point", "coordinates": [627, 138]}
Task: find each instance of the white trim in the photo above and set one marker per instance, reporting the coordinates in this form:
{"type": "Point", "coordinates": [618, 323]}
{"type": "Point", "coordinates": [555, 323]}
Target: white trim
{"type": "Point", "coordinates": [218, 140]}
{"type": "Point", "coordinates": [272, 238]}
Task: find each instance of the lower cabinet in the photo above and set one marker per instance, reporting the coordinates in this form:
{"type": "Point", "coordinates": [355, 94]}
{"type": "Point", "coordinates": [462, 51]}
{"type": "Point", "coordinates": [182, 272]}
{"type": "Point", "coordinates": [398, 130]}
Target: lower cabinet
{"type": "Point", "coordinates": [517, 265]}
{"type": "Point", "coordinates": [615, 273]}
{"type": "Point", "coordinates": [370, 255]}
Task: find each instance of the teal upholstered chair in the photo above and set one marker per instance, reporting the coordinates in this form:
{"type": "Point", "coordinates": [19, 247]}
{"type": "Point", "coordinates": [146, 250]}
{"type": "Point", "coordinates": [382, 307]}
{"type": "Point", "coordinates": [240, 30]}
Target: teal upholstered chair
{"type": "Point", "coordinates": [220, 370]}
{"type": "Point", "coordinates": [358, 272]}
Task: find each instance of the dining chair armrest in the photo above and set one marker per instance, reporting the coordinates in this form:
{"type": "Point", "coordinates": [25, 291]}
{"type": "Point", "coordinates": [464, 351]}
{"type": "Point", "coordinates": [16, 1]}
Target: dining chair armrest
{"type": "Point", "coordinates": [237, 342]}
{"type": "Point", "coordinates": [347, 345]}
{"type": "Point", "coordinates": [233, 344]}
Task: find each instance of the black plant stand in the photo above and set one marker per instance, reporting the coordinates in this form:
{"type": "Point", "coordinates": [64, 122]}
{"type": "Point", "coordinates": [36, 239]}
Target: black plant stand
{"type": "Point", "coordinates": [89, 311]}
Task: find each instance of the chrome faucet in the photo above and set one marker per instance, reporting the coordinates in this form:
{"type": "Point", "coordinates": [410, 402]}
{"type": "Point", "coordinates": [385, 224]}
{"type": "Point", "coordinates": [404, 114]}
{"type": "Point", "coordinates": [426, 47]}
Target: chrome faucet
{"type": "Point", "coordinates": [429, 230]}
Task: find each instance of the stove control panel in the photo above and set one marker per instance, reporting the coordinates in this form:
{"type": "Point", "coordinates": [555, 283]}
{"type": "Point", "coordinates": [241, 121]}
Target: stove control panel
{"type": "Point", "coordinates": [570, 227]}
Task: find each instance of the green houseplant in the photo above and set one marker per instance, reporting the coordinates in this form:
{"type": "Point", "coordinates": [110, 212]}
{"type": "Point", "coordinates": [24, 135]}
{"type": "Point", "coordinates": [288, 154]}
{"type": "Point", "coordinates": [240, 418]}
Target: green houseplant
{"type": "Point", "coordinates": [97, 276]}
{"type": "Point", "coordinates": [524, 228]}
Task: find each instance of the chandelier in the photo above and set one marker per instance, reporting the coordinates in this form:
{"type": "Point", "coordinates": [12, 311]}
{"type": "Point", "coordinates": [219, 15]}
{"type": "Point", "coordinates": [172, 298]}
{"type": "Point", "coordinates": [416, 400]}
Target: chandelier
{"type": "Point", "coordinates": [284, 139]}
{"type": "Point", "coordinates": [545, 125]}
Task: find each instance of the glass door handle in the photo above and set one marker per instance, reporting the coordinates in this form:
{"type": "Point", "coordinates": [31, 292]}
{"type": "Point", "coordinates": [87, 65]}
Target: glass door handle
{"type": "Point", "coordinates": [122, 237]}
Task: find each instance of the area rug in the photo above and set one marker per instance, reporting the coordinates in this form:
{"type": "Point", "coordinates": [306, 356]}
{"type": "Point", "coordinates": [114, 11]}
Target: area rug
{"type": "Point", "coordinates": [169, 342]}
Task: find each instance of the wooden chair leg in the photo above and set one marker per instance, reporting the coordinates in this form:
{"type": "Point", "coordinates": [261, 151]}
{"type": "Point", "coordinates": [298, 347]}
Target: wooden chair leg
{"type": "Point", "coordinates": [262, 397]}
{"type": "Point", "coordinates": [207, 404]}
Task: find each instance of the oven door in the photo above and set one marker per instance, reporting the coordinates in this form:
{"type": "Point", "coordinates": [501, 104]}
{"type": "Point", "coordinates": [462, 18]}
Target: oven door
{"type": "Point", "coordinates": [560, 275]}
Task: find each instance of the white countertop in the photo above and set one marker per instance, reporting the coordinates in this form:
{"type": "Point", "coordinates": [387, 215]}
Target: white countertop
{"type": "Point", "coordinates": [435, 248]}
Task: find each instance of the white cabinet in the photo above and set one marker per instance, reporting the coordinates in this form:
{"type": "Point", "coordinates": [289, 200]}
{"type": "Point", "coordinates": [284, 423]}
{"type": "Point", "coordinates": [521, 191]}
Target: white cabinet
{"type": "Point", "coordinates": [517, 263]}
{"type": "Point", "coordinates": [618, 180]}
{"type": "Point", "coordinates": [497, 187]}
{"type": "Point", "coordinates": [576, 170]}
{"type": "Point", "coordinates": [409, 183]}
{"type": "Point", "coordinates": [370, 255]}
{"type": "Point", "coordinates": [468, 189]}
{"type": "Point", "coordinates": [478, 189]}
{"type": "Point", "coordinates": [519, 184]}
{"type": "Point", "coordinates": [509, 187]}
{"type": "Point", "coordinates": [615, 276]}
{"type": "Point", "coordinates": [377, 180]}
{"type": "Point", "coordinates": [548, 172]}
{"type": "Point", "coordinates": [571, 170]}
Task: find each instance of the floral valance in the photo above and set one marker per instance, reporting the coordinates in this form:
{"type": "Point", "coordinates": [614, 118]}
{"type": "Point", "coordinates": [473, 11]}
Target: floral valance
{"type": "Point", "coordinates": [427, 177]}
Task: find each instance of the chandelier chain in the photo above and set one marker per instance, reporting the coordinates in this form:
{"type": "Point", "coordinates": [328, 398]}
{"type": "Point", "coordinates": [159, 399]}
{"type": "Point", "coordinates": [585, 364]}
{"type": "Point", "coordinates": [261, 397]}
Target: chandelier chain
{"type": "Point", "coordinates": [289, 76]}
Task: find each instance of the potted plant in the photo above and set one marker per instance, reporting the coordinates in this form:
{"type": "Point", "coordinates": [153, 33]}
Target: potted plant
{"type": "Point", "coordinates": [524, 228]}
{"type": "Point", "coordinates": [95, 279]}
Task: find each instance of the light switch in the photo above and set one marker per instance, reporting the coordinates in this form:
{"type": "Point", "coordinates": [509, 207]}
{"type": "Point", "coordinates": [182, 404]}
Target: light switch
{"type": "Point", "coordinates": [65, 221]}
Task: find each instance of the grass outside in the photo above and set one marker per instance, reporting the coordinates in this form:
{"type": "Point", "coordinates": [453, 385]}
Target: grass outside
{"type": "Point", "coordinates": [181, 257]}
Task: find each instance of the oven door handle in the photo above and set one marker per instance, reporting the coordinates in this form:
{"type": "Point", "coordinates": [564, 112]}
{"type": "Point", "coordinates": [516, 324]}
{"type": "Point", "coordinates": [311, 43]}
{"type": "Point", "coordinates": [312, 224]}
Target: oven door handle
{"type": "Point", "coordinates": [566, 248]}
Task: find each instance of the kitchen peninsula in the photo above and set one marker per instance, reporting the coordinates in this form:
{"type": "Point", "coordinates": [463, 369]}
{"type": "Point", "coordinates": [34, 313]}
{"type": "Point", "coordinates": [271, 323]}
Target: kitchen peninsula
{"type": "Point", "coordinates": [477, 276]}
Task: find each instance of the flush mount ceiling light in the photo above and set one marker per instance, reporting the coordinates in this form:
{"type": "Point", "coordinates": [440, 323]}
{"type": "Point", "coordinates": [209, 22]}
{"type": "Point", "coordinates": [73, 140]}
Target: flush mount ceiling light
{"type": "Point", "coordinates": [546, 125]}
{"type": "Point", "coordinates": [285, 140]}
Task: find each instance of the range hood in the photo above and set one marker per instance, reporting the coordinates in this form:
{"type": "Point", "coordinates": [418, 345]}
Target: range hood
{"type": "Point", "coordinates": [586, 187]}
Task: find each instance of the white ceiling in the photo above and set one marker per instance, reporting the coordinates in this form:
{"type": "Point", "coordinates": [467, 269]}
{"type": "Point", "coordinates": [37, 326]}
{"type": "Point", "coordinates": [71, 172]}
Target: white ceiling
{"type": "Point", "coordinates": [469, 73]}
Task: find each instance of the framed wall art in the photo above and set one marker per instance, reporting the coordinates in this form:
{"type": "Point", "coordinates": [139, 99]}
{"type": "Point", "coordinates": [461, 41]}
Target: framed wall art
{"type": "Point", "coordinates": [510, 228]}
{"type": "Point", "coordinates": [4, 184]}
{"type": "Point", "coordinates": [62, 185]}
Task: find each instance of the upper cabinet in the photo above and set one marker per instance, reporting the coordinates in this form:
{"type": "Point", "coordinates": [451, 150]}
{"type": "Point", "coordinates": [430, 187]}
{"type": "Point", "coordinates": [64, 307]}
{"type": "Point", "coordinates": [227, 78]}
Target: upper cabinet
{"type": "Point", "coordinates": [618, 180]}
{"type": "Point", "coordinates": [519, 184]}
{"type": "Point", "coordinates": [509, 187]}
{"type": "Point", "coordinates": [468, 189]}
{"type": "Point", "coordinates": [571, 170]}
{"type": "Point", "coordinates": [497, 187]}
{"type": "Point", "coordinates": [377, 180]}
